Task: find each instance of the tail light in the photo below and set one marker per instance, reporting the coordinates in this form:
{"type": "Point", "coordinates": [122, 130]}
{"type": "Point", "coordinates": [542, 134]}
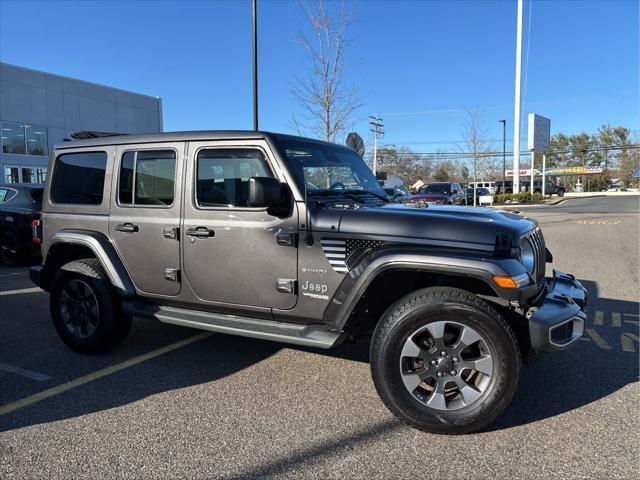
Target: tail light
{"type": "Point", "coordinates": [35, 232]}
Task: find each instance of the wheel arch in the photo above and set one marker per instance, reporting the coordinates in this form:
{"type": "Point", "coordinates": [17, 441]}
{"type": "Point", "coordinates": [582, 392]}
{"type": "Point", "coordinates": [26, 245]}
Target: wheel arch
{"type": "Point", "coordinates": [68, 245]}
{"type": "Point", "coordinates": [370, 289]}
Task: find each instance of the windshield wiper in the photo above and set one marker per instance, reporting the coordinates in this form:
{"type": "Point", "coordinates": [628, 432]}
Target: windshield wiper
{"type": "Point", "coordinates": [338, 192]}
{"type": "Point", "coordinates": [361, 192]}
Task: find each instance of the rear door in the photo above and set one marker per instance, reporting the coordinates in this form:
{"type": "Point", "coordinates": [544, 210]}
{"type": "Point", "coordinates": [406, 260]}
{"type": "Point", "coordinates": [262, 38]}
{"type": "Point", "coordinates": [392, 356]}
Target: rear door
{"type": "Point", "coordinates": [145, 214]}
{"type": "Point", "coordinates": [235, 254]}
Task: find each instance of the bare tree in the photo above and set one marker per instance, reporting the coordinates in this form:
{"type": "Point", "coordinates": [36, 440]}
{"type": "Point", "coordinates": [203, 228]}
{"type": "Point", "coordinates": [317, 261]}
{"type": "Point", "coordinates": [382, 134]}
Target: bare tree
{"type": "Point", "coordinates": [328, 103]}
{"type": "Point", "coordinates": [475, 143]}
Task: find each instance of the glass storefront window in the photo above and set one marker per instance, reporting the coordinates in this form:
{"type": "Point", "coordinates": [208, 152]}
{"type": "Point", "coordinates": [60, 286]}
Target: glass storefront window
{"type": "Point", "coordinates": [36, 140]}
{"type": "Point", "coordinates": [41, 175]}
{"type": "Point", "coordinates": [36, 175]}
{"type": "Point", "coordinates": [23, 139]}
{"type": "Point", "coordinates": [13, 138]}
{"type": "Point", "coordinates": [27, 175]}
{"type": "Point", "coordinates": [11, 175]}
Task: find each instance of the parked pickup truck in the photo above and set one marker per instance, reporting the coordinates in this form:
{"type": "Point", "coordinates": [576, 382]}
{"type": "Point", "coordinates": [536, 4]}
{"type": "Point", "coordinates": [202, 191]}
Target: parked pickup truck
{"type": "Point", "coordinates": [293, 240]}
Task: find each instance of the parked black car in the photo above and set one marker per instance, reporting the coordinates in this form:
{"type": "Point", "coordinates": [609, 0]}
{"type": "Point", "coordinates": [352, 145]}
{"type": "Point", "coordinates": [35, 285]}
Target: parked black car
{"type": "Point", "coordinates": [19, 206]}
{"type": "Point", "coordinates": [443, 193]}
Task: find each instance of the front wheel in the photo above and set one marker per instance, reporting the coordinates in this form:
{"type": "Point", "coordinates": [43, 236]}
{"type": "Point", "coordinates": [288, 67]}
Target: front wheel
{"type": "Point", "coordinates": [444, 361]}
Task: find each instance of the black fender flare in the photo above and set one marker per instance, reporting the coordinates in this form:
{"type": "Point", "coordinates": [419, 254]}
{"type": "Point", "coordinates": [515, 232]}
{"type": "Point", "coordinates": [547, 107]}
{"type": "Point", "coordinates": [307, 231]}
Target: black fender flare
{"type": "Point", "coordinates": [482, 268]}
{"type": "Point", "coordinates": [103, 250]}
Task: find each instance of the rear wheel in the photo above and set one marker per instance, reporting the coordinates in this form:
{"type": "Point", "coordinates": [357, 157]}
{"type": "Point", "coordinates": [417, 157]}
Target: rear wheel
{"type": "Point", "coordinates": [9, 251]}
{"type": "Point", "coordinates": [85, 309]}
{"type": "Point", "coordinates": [444, 361]}
{"type": "Point", "coordinates": [560, 192]}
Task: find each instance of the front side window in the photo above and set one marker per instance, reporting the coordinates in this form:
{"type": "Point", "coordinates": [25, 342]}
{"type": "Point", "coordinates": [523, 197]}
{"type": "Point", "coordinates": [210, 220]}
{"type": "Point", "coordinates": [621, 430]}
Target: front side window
{"type": "Point", "coordinates": [223, 176]}
{"type": "Point", "coordinates": [78, 178]}
{"type": "Point", "coordinates": [147, 177]}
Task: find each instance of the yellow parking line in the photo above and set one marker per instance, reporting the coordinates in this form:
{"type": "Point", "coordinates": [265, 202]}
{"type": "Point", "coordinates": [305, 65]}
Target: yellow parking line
{"type": "Point", "coordinates": [615, 320]}
{"type": "Point", "coordinates": [627, 341]}
{"type": "Point", "coordinates": [53, 391]}
{"type": "Point", "coordinates": [22, 290]}
{"type": "Point", "coordinates": [598, 319]}
{"type": "Point", "coordinates": [601, 342]}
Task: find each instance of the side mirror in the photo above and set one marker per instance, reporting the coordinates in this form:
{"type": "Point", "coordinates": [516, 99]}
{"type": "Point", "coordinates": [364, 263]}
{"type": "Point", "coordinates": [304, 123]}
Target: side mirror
{"type": "Point", "coordinates": [265, 192]}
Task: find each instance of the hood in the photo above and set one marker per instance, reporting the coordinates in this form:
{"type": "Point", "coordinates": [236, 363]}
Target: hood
{"type": "Point", "coordinates": [443, 225]}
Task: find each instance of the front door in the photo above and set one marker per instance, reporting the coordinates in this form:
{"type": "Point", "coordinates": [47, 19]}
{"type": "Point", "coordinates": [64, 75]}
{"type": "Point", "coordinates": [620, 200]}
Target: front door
{"type": "Point", "coordinates": [145, 214]}
{"type": "Point", "coordinates": [235, 254]}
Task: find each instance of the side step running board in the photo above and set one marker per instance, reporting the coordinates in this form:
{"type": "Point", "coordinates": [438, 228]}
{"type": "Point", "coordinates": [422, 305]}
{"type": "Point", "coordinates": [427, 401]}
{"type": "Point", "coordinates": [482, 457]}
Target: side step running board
{"type": "Point", "coordinates": [319, 336]}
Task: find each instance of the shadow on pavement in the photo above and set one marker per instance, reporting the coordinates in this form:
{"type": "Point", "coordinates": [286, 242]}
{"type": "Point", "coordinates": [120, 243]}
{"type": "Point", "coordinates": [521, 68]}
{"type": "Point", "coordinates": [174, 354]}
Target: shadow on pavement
{"type": "Point", "coordinates": [556, 384]}
{"type": "Point", "coordinates": [204, 361]}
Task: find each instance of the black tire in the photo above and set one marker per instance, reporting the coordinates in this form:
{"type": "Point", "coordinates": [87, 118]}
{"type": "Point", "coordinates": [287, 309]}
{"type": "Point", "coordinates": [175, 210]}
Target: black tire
{"type": "Point", "coordinates": [108, 326]}
{"type": "Point", "coordinates": [431, 306]}
{"type": "Point", "coordinates": [10, 254]}
{"type": "Point", "coordinates": [560, 192]}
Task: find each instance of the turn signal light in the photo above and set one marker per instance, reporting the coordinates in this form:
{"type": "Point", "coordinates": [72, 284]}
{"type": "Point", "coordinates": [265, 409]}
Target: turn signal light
{"type": "Point", "coordinates": [504, 282]}
{"type": "Point", "coordinates": [511, 282]}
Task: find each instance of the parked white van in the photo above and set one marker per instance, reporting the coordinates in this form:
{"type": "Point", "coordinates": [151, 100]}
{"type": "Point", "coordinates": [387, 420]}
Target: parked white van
{"type": "Point", "coordinates": [491, 186]}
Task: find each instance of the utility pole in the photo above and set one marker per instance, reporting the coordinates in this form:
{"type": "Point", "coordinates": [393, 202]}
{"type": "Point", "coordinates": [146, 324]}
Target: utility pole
{"type": "Point", "coordinates": [504, 155]}
{"type": "Point", "coordinates": [377, 129]}
{"type": "Point", "coordinates": [517, 106]}
{"type": "Point", "coordinates": [255, 64]}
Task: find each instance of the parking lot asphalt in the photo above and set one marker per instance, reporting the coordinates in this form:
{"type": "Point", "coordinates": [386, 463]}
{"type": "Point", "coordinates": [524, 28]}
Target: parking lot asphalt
{"type": "Point", "coordinates": [173, 402]}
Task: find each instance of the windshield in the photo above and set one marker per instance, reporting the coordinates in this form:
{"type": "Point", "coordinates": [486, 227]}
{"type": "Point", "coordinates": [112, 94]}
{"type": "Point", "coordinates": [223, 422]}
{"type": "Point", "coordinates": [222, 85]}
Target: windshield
{"type": "Point", "coordinates": [441, 188]}
{"type": "Point", "coordinates": [326, 168]}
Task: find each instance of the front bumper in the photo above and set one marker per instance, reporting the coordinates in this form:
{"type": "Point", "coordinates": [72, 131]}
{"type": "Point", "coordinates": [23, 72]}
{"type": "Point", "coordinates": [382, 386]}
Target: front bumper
{"type": "Point", "coordinates": [557, 321]}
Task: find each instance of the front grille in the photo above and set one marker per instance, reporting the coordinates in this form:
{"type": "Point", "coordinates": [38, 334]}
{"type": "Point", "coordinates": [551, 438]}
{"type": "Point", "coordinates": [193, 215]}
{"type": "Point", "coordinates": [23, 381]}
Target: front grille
{"type": "Point", "coordinates": [537, 241]}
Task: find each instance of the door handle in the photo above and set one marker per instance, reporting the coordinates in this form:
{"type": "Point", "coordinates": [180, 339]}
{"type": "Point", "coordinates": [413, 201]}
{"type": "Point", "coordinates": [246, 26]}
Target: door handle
{"type": "Point", "coordinates": [201, 232]}
{"type": "Point", "coordinates": [127, 227]}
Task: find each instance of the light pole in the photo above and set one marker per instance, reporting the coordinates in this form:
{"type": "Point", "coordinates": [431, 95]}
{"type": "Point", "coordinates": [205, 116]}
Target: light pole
{"type": "Point", "coordinates": [517, 104]}
{"type": "Point", "coordinates": [504, 155]}
{"type": "Point", "coordinates": [255, 64]}
{"type": "Point", "coordinates": [377, 129]}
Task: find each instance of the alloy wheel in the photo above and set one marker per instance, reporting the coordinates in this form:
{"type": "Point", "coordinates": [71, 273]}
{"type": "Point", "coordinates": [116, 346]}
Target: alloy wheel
{"type": "Point", "coordinates": [446, 365]}
{"type": "Point", "coordinates": [79, 308]}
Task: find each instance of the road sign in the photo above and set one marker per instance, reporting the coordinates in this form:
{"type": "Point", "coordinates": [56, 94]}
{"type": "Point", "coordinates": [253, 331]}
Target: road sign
{"type": "Point", "coordinates": [355, 141]}
{"type": "Point", "coordinates": [539, 133]}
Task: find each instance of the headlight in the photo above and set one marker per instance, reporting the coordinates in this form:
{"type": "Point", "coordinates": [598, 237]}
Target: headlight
{"type": "Point", "coordinates": [527, 256]}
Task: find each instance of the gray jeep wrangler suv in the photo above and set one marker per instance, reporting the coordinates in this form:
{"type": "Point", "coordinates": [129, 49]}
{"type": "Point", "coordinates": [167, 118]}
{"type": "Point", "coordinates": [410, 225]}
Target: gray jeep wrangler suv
{"type": "Point", "coordinates": [290, 239]}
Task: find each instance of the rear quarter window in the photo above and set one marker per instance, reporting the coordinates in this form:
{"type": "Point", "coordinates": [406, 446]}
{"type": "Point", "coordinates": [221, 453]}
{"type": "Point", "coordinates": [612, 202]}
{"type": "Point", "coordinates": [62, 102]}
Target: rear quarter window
{"type": "Point", "coordinates": [78, 178]}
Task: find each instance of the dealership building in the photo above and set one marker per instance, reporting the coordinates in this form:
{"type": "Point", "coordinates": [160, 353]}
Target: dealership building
{"type": "Point", "coordinates": [39, 110]}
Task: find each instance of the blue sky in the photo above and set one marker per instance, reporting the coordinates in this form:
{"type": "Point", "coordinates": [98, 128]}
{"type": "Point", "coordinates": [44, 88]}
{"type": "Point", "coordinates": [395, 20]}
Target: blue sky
{"type": "Point", "coordinates": [419, 64]}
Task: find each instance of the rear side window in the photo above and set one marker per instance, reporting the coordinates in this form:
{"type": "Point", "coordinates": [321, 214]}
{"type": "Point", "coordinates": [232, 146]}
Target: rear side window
{"type": "Point", "coordinates": [223, 176]}
{"type": "Point", "coordinates": [147, 178]}
{"type": "Point", "coordinates": [78, 178]}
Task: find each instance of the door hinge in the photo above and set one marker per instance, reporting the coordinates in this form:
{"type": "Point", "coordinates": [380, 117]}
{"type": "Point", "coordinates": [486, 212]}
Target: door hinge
{"type": "Point", "coordinates": [286, 285]}
{"type": "Point", "coordinates": [287, 239]}
{"type": "Point", "coordinates": [170, 233]}
{"type": "Point", "coordinates": [171, 274]}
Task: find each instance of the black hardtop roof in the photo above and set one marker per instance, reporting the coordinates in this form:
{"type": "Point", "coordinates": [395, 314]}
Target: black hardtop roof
{"type": "Point", "coordinates": [198, 135]}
